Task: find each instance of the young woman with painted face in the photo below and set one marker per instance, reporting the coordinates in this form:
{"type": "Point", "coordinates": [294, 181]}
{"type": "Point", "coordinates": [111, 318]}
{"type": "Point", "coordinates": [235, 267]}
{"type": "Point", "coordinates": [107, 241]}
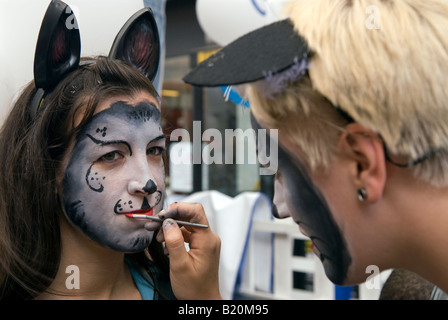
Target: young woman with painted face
{"type": "Point", "coordinates": [94, 154]}
{"type": "Point", "coordinates": [71, 169]}
{"type": "Point", "coordinates": [357, 91]}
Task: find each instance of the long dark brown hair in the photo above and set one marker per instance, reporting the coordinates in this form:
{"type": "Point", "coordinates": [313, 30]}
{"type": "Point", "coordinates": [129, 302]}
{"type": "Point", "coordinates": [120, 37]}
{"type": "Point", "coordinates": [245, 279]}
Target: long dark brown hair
{"type": "Point", "coordinates": [31, 154]}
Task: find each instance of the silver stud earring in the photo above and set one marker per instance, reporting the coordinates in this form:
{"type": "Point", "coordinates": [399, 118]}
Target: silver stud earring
{"type": "Point", "coordinates": [362, 194]}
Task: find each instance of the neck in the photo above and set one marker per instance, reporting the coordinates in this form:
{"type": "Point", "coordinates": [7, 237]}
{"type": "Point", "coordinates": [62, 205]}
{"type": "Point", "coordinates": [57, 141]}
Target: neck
{"type": "Point", "coordinates": [423, 213]}
{"type": "Point", "coordinates": [89, 271]}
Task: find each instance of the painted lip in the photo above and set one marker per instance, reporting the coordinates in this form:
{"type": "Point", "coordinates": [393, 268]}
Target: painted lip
{"type": "Point", "coordinates": [148, 212]}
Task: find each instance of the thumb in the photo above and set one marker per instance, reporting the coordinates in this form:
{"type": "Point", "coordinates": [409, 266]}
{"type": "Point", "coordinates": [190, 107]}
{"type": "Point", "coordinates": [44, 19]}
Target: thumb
{"type": "Point", "coordinates": [174, 241]}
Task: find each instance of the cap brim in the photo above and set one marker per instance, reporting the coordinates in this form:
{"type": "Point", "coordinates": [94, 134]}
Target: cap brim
{"type": "Point", "coordinates": [267, 50]}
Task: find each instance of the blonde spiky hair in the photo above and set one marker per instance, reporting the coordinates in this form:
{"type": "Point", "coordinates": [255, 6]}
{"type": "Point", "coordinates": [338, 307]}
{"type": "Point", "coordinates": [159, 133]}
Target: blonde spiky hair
{"type": "Point", "coordinates": [385, 62]}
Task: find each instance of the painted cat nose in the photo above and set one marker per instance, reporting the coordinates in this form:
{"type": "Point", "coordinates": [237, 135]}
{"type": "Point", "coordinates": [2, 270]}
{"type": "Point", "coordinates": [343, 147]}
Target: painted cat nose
{"type": "Point", "coordinates": [150, 187]}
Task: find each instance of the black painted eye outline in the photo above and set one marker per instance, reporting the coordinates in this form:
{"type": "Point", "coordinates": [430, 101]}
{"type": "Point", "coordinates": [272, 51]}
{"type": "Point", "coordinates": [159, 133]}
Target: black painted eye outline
{"type": "Point", "coordinates": [106, 143]}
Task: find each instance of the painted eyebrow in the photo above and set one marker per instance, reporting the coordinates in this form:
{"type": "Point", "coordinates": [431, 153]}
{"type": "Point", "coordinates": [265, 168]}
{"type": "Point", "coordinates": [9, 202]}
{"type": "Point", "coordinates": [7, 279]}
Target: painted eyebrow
{"type": "Point", "coordinates": [105, 143]}
{"type": "Point", "coordinates": [162, 136]}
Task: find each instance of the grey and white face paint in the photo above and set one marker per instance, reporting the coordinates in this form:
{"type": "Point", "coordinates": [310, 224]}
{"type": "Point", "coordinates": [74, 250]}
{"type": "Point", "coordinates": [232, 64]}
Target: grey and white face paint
{"type": "Point", "coordinates": [116, 167]}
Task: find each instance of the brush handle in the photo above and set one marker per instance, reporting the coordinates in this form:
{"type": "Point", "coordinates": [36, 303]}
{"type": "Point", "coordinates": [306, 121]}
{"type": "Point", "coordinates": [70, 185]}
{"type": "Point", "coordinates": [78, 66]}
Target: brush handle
{"type": "Point", "coordinates": [179, 222]}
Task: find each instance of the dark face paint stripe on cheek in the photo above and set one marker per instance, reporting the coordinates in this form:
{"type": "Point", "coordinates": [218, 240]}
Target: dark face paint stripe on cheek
{"type": "Point", "coordinates": [309, 208]}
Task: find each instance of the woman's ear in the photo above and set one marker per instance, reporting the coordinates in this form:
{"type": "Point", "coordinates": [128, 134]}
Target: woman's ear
{"type": "Point", "coordinates": [138, 43]}
{"type": "Point", "coordinates": [58, 48]}
{"type": "Point", "coordinates": [366, 151]}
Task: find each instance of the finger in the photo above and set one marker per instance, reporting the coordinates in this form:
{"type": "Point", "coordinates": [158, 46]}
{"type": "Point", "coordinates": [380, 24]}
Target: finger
{"type": "Point", "coordinates": [152, 225]}
{"type": "Point", "coordinates": [159, 237]}
{"type": "Point", "coordinates": [186, 234]}
{"type": "Point", "coordinates": [174, 242]}
{"type": "Point", "coordinates": [192, 212]}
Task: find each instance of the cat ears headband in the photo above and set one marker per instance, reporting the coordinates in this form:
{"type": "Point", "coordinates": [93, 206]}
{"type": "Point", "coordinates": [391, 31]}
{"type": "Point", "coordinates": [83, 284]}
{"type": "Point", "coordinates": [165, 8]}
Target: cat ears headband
{"type": "Point", "coordinates": [274, 53]}
{"type": "Point", "coordinates": [58, 49]}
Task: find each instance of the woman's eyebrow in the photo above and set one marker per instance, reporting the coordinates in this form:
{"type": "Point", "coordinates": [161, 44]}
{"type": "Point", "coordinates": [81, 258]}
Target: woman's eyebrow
{"type": "Point", "coordinates": [105, 143]}
{"type": "Point", "coordinates": [162, 136]}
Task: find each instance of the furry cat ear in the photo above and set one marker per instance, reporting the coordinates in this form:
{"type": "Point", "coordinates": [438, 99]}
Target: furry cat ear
{"type": "Point", "coordinates": [138, 43]}
{"type": "Point", "coordinates": [58, 49]}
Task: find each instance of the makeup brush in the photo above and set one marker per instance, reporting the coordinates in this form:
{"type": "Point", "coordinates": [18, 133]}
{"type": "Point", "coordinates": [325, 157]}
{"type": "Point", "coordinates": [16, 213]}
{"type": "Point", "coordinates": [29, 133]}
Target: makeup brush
{"type": "Point", "coordinates": [153, 218]}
